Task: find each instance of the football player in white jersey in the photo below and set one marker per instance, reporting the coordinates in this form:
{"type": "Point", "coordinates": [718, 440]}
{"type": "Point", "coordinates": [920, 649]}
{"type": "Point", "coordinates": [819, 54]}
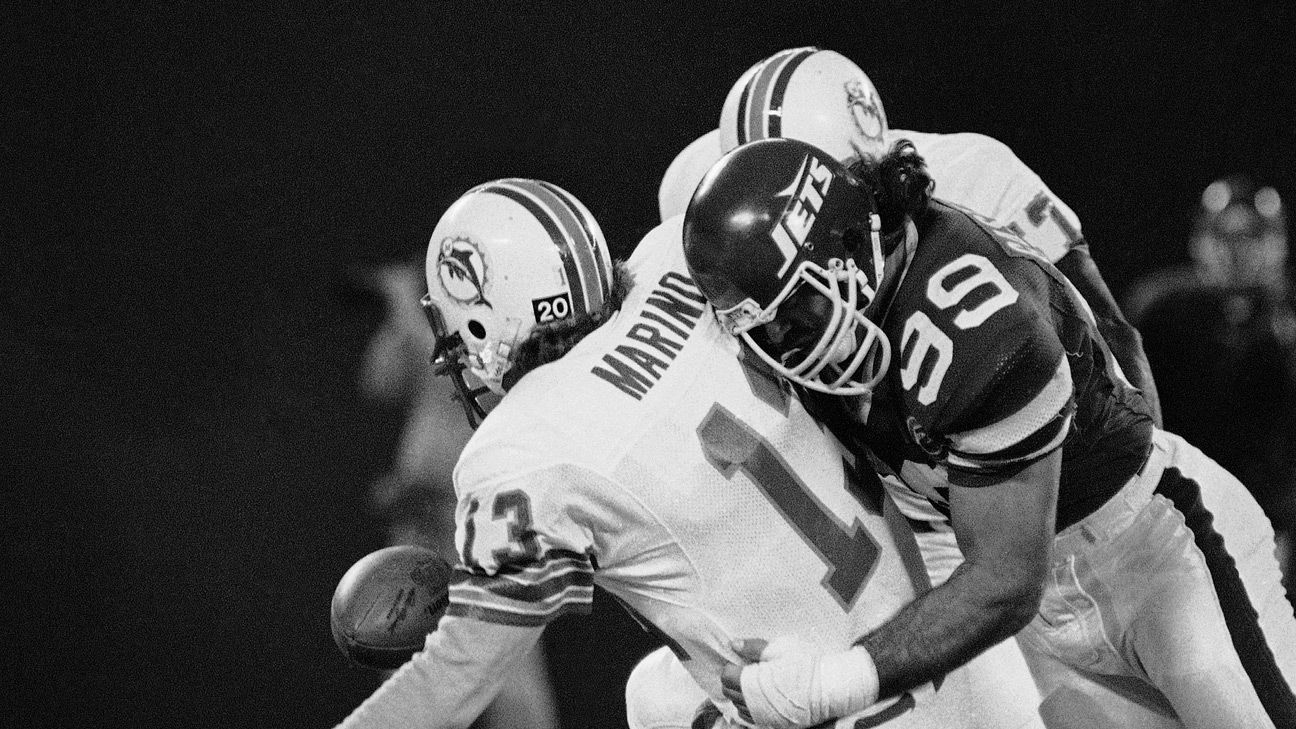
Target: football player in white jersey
{"type": "Point", "coordinates": [1140, 573]}
{"type": "Point", "coordinates": [822, 97]}
{"type": "Point", "coordinates": [634, 449]}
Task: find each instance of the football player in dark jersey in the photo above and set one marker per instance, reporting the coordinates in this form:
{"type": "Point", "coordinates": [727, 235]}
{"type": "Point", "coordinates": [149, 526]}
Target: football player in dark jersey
{"type": "Point", "coordinates": [822, 97]}
{"type": "Point", "coordinates": [1139, 573]}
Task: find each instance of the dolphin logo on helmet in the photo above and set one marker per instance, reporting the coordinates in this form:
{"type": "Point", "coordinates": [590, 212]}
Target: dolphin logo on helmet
{"type": "Point", "coordinates": [461, 268]}
{"type": "Point", "coordinates": [866, 110]}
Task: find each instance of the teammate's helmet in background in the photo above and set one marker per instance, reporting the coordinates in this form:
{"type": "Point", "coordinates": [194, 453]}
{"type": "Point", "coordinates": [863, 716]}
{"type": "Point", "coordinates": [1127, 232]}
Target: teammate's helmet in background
{"type": "Point", "coordinates": [817, 96]}
{"type": "Point", "coordinates": [1240, 235]}
{"type": "Point", "coordinates": [772, 224]}
{"type": "Point", "coordinates": [506, 257]}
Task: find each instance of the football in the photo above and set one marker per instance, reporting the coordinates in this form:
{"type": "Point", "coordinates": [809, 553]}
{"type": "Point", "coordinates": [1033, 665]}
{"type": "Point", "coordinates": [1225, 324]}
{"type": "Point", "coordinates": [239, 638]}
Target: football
{"type": "Point", "coordinates": [387, 603]}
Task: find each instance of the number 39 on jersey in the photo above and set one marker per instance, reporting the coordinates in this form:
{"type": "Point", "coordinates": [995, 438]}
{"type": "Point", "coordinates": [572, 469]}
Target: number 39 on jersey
{"type": "Point", "coordinates": [927, 351]}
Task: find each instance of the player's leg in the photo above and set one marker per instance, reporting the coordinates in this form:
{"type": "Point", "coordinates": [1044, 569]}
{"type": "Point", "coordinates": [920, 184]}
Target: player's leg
{"type": "Point", "coordinates": [1083, 679]}
{"type": "Point", "coordinates": [1171, 628]}
{"type": "Point", "coordinates": [1078, 699]}
{"type": "Point", "coordinates": [1102, 573]}
{"type": "Point", "coordinates": [1153, 587]}
{"type": "Point", "coordinates": [1222, 630]}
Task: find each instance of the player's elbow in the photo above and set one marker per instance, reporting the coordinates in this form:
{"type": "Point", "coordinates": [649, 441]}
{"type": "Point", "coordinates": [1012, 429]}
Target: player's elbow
{"type": "Point", "coordinates": [1014, 594]}
{"type": "Point", "coordinates": [1019, 606]}
{"type": "Point", "coordinates": [1119, 333]}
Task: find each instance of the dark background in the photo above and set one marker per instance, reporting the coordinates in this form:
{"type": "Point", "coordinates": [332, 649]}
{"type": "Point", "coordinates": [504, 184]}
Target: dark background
{"type": "Point", "coordinates": [183, 190]}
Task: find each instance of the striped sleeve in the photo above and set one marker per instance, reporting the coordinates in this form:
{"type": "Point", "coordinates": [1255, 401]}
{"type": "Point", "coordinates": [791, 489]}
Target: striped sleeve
{"type": "Point", "coordinates": [1040, 425]}
{"type": "Point", "coordinates": [526, 542]}
{"type": "Point", "coordinates": [526, 595]}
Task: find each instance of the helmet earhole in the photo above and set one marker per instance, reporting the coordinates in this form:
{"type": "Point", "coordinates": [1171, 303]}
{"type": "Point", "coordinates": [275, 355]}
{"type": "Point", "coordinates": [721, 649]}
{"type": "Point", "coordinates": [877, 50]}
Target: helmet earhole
{"type": "Point", "coordinates": [476, 329]}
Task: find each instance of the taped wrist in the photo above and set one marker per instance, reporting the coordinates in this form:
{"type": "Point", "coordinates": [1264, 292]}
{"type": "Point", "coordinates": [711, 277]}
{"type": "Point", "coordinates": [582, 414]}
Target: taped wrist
{"type": "Point", "coordinates": [848, 682]}
{"type": "Point", "coordinates": [809, 689]}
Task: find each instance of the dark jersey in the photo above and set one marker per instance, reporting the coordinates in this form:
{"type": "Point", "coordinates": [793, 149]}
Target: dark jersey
{"type": "Point", "coordinates": [996, 362]}
{"type": "Point", "coordinates": [1226, 361]}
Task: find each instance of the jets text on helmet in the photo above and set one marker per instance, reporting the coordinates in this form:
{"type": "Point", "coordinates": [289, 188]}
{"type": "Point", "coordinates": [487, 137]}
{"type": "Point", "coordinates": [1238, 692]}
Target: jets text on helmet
{"type": "Point", "coordinates": [810, 186]}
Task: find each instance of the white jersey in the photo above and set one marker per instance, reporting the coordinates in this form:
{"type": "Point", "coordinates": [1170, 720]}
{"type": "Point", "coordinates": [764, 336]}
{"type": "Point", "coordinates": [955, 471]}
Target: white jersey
{"type": "Point", "coordinates": [971, 170]}
{"type": "Point", "coordinates": [650, 461]}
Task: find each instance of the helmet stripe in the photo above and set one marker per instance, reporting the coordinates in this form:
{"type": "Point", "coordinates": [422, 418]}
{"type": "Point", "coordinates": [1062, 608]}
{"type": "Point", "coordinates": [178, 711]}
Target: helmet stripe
{"type": "Point", "coordinates": [774, 116]}
{"type": "Point", "coordinates": [772, 78]}
{"type": "Point", "coordinates": [741, 117]}
{"type": "Point", "coordinates": [593, 265]}
{"type": "Point", "coordinates": [757, 88]}
{"type": "Point", "coordinates": [546, 219]}
{"type": "Point", "coordinates": [568, 218]}
{"type": "Point", "coordinates": [577, 241]}
{"type": "Point", "coordinates": [593, 236]}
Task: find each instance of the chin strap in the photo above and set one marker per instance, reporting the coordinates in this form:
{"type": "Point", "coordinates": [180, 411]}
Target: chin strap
{"type": "Point", "coordinates": [446, 361]}
{"type": "Point", "coordinates": [899, 257]}
{"type": "Point", "coordinates": [892, 239]}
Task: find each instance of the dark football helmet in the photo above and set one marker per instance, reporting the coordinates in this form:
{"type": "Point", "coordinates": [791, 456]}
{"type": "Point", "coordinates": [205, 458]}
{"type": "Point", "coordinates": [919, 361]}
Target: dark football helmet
{"type": "Point", "coordinates": [780, 223]}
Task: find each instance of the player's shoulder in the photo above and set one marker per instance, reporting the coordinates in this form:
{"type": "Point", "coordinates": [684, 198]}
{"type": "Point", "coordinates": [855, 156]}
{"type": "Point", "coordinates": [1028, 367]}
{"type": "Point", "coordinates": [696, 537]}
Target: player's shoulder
{"type": "Point", "coordinates": [982, 144]}
{"type": "Point", "coordinates": [519, 435]}
{"type": "Point", "coordinates": [661, 249]}
{"type": "Point", "coordinates": [685, 172]}
{"type": "Point", "coordinates": [551, 413]}
{"type": "Point", "coordinates": [949, 231]}
{"type": "Point", "coordinates": [966, 145]}
{"type": "Point", "coordinates": [974, 307]}
{"type": "Point", "coordinates": [540, 438]}
{"type": "Point", "coordinates": [973, 168]}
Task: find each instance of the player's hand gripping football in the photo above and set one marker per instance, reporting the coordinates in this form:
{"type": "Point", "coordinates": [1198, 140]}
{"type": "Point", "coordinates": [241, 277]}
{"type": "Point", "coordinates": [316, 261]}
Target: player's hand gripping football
{"type": "Point", "coordinates": [790, 682]}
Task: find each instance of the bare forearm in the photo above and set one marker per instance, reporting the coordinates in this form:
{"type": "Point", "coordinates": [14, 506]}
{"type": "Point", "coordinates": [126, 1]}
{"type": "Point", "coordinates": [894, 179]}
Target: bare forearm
{"type": "Point", "coordinates": [944, 629]}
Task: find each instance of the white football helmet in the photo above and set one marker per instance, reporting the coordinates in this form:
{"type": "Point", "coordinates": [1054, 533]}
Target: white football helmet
{"type": "Point", "coordinates": [813, 95]}
{"type": "Point", "coordinates": [507, 257]}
